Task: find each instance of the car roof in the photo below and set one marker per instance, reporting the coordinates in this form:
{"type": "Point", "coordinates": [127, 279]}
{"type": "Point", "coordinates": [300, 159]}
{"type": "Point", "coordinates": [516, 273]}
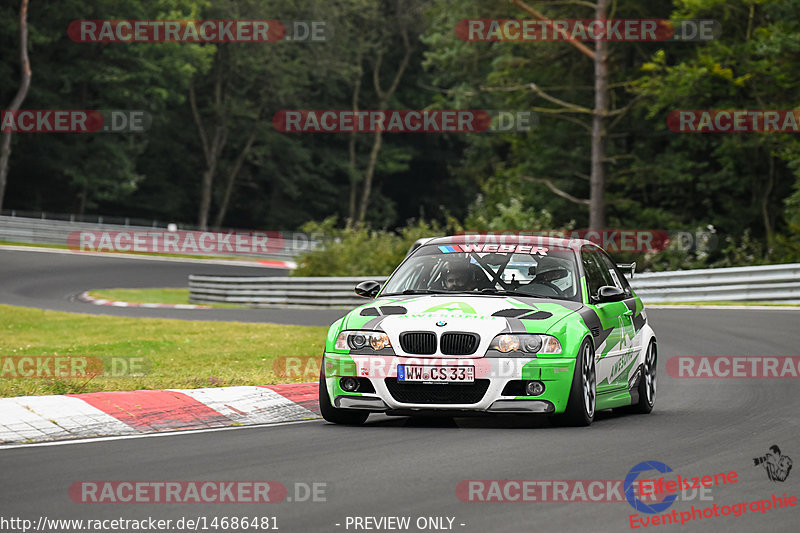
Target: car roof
{"type": "Point", "coordinates": [574, 244]}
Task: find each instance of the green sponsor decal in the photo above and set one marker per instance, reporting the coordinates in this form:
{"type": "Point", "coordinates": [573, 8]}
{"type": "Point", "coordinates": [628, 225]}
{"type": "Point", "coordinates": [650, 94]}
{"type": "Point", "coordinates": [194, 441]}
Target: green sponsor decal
{"type": "Point", "coordinates": [339, 365]}
{"type": "Point", "coordinates": [624, 361]}
{"type": "Point", "coordinates": [452, 306]}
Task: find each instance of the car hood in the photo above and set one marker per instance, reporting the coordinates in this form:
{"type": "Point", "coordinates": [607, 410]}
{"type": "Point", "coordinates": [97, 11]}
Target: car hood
{"type": "Point", "coordinates": [485, 315]}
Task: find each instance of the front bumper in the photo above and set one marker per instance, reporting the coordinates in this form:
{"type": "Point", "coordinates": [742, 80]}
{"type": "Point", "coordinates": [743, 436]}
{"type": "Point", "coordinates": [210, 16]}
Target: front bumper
{"type": "Point", "coordinates": [495, 374]}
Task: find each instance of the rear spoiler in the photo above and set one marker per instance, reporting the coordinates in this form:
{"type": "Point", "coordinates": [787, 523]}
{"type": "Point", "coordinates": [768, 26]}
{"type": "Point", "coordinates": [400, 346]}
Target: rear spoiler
{"type": "Point", "coordinates": [630, 267]}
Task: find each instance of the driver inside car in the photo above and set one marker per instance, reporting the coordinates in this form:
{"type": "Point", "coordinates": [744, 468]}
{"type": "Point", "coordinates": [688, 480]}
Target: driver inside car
{"type": "Point", "coordinates": [461, 275]}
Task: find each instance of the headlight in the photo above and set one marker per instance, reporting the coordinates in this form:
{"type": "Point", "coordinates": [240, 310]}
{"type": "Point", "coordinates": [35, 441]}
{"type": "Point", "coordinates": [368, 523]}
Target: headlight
{"type": "Point", "coordinates": [525, 344]}
{"type": "Point", "coordinates": [358, 340]}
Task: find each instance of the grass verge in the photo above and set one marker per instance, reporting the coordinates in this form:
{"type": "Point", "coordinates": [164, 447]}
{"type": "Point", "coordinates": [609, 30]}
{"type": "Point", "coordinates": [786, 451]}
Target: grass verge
{"type": "Point", "coordinates": [154, 296]}
{"type": "Point", "coordinates": [180, 354]}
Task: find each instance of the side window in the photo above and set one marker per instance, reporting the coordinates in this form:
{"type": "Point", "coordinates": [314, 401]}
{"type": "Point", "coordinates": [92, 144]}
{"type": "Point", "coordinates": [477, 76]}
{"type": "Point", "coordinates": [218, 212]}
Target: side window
{"type": "Point", "coordinates": [596, 273]}
{"type": "Point", "coordinates": [619, 278]}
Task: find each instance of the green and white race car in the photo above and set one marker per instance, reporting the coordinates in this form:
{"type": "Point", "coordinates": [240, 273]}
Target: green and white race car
{"type": "Point", "coordinates": [469, 324]}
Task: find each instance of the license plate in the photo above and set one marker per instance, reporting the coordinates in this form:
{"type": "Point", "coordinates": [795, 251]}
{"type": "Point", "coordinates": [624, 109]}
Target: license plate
{"type": "Point", "coordinates": [436, 374]}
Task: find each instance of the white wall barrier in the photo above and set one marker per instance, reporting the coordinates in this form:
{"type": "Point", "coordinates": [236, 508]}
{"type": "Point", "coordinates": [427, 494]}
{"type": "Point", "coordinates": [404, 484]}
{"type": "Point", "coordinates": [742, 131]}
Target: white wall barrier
{"type": "Point", "coordinates": [772, 283]}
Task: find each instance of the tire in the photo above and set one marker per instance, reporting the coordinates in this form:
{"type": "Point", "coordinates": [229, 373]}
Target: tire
{"type": "Point", "coordinates": [582, 402]}
{"type": "Point", "coordinates": [347, 417]}
{"type": "Point", "coordinates": [647, 384]}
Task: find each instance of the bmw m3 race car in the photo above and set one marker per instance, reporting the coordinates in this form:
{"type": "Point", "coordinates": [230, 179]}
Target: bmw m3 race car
{"type": "Point", "coordinates": [466, 325]}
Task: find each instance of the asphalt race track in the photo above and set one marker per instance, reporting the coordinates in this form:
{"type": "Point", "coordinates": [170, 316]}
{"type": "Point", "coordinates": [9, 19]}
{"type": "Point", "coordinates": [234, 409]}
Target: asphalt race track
{"type": "Point", "coordinates": [52, 281]}
{"type": "Point", "coordinates": [403, 467]}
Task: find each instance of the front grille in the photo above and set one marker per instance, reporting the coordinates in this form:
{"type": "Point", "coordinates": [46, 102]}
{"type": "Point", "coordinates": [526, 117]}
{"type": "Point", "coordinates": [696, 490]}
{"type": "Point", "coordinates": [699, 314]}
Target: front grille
{"type": "Point", "coordinates": [418, 342]}
{"type": "Point", "coordinates": [437, 392]}
{"type": "Point", "coordinates": [459, 343]}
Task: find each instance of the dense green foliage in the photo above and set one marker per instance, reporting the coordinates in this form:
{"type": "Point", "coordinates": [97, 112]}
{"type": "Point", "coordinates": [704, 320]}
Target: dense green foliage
{"type": "Point", "coordinates": [745, 187]}
{"type": "Point", "coordinates": [360, 251]}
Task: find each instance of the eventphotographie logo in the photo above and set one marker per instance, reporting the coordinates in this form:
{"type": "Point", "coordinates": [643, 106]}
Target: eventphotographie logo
{"type": "Point", "coordinates": [657, 495]}
{"type": "Point", "coordinates": [776, 464]}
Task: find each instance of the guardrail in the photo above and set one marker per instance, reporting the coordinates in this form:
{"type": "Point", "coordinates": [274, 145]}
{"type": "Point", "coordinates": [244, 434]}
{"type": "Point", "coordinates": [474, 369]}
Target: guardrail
{"type": "Point", "coordinates": [778, 283]}
{"type": "Point", "coordinates": [55, 232]}
{"type": "Point", "coordinates": [769, 283]}
{"type": "Point", "coordinates": [47, 231]}
{"type": "Point", "coordinates": [280, 291]}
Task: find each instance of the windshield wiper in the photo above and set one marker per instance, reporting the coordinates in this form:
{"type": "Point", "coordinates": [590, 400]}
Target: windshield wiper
{"type": "Point", "coordinates": [519, 294]}
{"type": "Point", "coordinates": [503, 292]}
{"type": "Point", "coordinates": [414, 291]}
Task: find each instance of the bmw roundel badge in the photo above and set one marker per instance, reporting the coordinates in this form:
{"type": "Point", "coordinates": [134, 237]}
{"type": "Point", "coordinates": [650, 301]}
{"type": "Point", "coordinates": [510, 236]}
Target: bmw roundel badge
{"type": "Point", "coordinates": [441, 323]}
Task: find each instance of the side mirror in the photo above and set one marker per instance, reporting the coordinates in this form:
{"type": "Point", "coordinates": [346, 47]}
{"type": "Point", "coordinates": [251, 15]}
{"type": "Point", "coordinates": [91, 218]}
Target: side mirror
{"type": "Point", "coordinates": [609, 293]}
{"type": "Point", "coordinates": [368, 289]}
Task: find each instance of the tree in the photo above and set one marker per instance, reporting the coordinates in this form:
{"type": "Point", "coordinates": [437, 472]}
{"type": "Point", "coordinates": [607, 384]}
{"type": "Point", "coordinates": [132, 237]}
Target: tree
{"type": "Point", "coordinates": [77, 172]}
{"type": "Point", "coordinates": [247, 83]}
{"type": "Point", "coordinates": [22, 92]}
{"type": "Point", "coordinates": [738, 182]}
{"type": "Point", "coordinates": [597, 178]}
{"type": "Point", "coordinates": [384, 96]}
{"type": "Point", "coordinates": [544, 77]}
{"type": "Point", "coordinates": [373, 42]}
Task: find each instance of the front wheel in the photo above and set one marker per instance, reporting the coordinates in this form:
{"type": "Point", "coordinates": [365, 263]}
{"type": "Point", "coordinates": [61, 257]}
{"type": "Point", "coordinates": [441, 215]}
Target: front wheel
{"type": "Point", "coordinates": [583, 393]}
{"type": "Point", "coordinates": [348, 417]}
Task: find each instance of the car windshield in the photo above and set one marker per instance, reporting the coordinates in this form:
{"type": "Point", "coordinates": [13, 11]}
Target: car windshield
{"type": "Point", "coordinates": [535, 271]}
